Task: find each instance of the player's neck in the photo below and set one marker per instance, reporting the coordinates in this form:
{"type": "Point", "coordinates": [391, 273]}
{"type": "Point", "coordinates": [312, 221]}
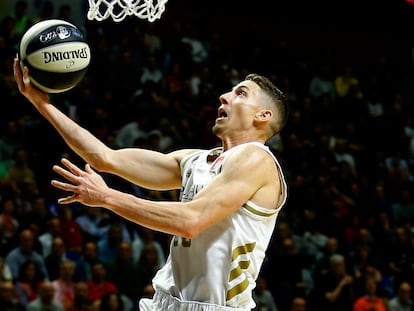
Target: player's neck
{"type": "Point", "coordinates": [230, 143]}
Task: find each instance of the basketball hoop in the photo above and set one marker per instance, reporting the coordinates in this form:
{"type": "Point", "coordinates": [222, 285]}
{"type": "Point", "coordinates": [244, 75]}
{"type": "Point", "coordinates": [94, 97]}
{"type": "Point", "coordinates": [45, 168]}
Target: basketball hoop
{"type": "Point", "coordinates": [119, 9]}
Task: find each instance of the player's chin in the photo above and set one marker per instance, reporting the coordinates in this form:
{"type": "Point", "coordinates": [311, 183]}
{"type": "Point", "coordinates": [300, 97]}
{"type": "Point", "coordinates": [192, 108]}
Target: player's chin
{"type": "Point", "coordinates": [217, 129]}
{"type": "Point", "coordinates": [220, 122]}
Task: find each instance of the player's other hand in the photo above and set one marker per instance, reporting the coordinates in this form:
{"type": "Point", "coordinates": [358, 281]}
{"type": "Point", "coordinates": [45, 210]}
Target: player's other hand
{"type": "Point", "coordinates": [85, 186]}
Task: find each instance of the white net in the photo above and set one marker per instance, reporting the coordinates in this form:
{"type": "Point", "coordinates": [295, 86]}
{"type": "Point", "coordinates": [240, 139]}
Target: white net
{"type": "Point", "coordinates": [119, 9]}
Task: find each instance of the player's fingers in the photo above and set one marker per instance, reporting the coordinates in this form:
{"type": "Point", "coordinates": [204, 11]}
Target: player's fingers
{"type": "Point", "coordinates": [21, 77]}
{"type": "Point", "coordinates": [63, 186]}
{"type": "Point", "coordinates": [72, 167]}
{"type": "Point", "coordinates": [65, 173]}
{"type": "Point", "coordinates": [67, 200]}
{"type": "Point", "coordinates": [26, 79]}
{"type": "Point", "coordinates": [88, 169]}
{"type": "Point", "coordinates": [17, 71]}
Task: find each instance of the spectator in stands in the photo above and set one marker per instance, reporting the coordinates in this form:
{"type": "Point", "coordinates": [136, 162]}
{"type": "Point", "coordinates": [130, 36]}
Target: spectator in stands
{"type": "Point", "coordinates": [347, 82]}
{"type": "Point", "coordinates": [36, 213]}
{"type": "Point", "coordinates": [9, 224]}
{"type": "Point", "coordinates": [21, 176]}
{"type": "Point", "coordinates": [334, 291]}
{"type": "Point", "coordinates": [53, 231]}
{"type": "Point", "coordinates": [323, 263]}
{"type": "Point", "coordinates": [298, 304]}
{"type": "Point", "coordinates": [23, 252]}
{"type": "Point", "coordinates": [98, 285]}
{"type": "Point", "coordinates": [400, 256]}
{"type": "Point", "coordinates": [93, 223]}
{"type": "Point", "coordinates": [297, 280]}
{"type": "Point", "coordinates": [20, 17]}
{"type": "Point", "coordinates": [5, 273]}
{"type": "Point", "coordinates": [45, 300]}
{"type": "Point", "coordinates": [385, 284]}
{"type": "Point", "coordinates": [124, 273]}
{"type": "Point", "coordinates": [263, 297]}
{"type": "Point", "coordinates": [402, 301]}
{"type": "Point", "coordinates": [148, 264]}
{"type": "Point", "coordinates": [55, 258]}
{"type": "Point", "coordinates": [370, 300]}
{"type": "Point", "coordinates": [402, 210]}
{"type": "Point", "coordinates": [70, 232]}
{"type": "Point", "coordinates": [28, 282]}
{"type": "Point", "coordinates": [64, 285]}
{"type": "Point", "coordinates": [9, 299]}
{"type": "Point", "coordinates": [111, 302]}
{"type": "Point", "coordinates": [146, 237]}
{"type": "Point", "coordinates": [10, 140]}
{"type": "Point", "coordinates": [85, 262]}
{"type": "Point", "coordinates": [65, 13]}
{"type": "Point", "coordinates": [398, 172]}
{"type": "Point", "coordinates": [108, 245]}
{"type": "Point", "coordinates": [322, 83]}
{"type": "Point", "coordinates": [81, 301]}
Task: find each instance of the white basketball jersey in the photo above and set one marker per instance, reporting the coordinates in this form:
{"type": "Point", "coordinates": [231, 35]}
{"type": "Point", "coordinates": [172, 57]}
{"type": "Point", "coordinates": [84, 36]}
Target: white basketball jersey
{"type": "Point", "coordinates": [221, 264]}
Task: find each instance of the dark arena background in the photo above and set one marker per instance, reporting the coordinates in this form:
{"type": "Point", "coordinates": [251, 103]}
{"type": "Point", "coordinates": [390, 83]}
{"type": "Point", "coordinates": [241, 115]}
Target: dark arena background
{"type": "Point", "coordinates": [347, 68]}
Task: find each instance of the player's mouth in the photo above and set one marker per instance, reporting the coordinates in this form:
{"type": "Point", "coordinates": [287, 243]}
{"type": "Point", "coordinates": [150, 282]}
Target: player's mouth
{"type": "Point", "coordinates": [221, 114]}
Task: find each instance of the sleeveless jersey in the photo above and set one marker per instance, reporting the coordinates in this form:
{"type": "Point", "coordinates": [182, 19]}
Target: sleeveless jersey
{"type": "Point", "coordinates": [221, 264]}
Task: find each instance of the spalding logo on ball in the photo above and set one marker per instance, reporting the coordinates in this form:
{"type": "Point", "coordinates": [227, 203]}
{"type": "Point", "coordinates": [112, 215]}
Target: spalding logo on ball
{"type": "Point", "coordinates": [56, 53]}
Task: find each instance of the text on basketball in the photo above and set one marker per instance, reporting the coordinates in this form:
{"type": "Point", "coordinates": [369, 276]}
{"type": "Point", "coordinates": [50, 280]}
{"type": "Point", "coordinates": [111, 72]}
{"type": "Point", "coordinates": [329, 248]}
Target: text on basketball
{"type": "Point", "coordinates": [50, 57]}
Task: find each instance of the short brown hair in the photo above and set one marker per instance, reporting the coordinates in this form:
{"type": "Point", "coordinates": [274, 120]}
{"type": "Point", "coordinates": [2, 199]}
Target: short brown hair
{"type": "Point", "coordinates": [279, 99]}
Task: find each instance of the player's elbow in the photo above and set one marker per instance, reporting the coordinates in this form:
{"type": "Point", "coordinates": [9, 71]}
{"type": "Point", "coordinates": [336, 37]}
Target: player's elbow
{"type": "Point", "coordinates": [100, 162]}
{"type": "Point", "coordinates": [197, 217]}
{"type": "Point", "coordinates": [188, 231]}
{"type": "Point", "coordinates": [190, 228]}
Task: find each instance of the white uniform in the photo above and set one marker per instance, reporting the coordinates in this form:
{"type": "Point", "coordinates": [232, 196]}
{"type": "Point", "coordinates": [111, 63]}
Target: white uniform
{"type": "Point", "coordinates": [217, 269]}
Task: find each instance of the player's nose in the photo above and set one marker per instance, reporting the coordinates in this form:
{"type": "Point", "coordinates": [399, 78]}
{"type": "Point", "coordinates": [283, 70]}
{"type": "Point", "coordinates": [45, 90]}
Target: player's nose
{"type": "Point", "coordinates": [224, 98]}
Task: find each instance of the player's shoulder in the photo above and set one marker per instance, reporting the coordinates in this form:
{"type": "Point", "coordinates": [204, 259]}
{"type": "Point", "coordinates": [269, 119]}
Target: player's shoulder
{"type": "Point", "coordinates": [251, 154]}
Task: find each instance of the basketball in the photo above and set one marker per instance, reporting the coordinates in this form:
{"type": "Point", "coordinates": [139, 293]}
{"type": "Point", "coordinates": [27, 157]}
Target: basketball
{"type": "Point", "coordinates": [56, 53]}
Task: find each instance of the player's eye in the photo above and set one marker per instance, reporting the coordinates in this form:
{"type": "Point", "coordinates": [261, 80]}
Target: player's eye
{"type": "Point", "coordinates": [240, 93]}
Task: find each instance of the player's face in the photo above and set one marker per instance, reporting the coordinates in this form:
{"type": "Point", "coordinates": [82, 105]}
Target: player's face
{"type": "Point", "coordinates": [238, 109]}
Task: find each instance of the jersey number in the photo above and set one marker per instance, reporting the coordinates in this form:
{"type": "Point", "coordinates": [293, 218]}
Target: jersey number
{"type": "Point", "coordinates": [184, 242]}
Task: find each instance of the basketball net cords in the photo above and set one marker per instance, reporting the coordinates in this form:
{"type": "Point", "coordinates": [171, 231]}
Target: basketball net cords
{"type": "Point", "coordinates": [144, 9]}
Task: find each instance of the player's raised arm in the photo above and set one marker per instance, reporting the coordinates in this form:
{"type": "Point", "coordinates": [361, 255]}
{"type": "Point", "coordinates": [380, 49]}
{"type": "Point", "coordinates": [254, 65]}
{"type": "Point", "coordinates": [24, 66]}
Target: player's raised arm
{"type": "Point", "coordinates": [146, 168]}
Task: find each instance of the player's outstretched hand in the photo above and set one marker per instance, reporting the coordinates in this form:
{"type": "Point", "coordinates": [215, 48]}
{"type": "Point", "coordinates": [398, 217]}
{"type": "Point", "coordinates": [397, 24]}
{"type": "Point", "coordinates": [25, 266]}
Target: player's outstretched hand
{"type": "Point", "coordinates": [32, 93]}
{"type": "Point", "coordinates": [86, 186]}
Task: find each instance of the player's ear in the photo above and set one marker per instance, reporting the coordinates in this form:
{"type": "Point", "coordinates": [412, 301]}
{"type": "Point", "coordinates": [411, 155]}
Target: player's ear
{"type": "Point", "coordinates": [263, 115]}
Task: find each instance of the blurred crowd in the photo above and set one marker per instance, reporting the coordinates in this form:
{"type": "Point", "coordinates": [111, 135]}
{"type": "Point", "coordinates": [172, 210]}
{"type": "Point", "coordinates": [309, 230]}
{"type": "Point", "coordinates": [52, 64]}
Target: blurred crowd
{"type": "Point", "coordinates": [344, 240]}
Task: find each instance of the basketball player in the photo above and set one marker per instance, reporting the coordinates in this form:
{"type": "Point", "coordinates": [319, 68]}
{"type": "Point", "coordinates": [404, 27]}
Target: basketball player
{"type": "Point", "coordinates": [230, 195]}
